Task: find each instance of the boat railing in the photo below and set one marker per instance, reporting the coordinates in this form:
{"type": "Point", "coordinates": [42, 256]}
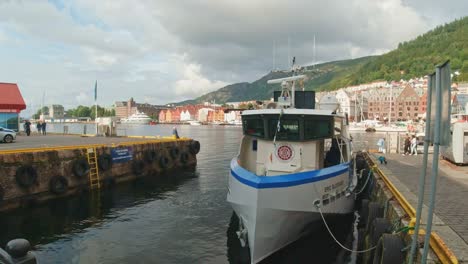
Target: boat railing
{"type": "Point", "coordinates": [121, 131]}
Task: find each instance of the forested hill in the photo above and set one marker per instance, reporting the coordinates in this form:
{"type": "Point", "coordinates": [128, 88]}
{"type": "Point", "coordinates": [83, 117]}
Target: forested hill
{"type": "Point", "coordinates": [413, 58]}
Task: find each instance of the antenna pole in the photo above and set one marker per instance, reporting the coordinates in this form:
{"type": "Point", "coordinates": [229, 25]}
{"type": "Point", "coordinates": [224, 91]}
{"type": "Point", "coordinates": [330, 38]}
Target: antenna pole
{"type": "Point", "coordinates": [274, 55]}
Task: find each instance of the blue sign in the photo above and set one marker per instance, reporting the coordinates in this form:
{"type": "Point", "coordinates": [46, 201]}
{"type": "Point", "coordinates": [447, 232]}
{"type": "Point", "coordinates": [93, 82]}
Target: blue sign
{"type": "Point", "coordinates": [122, 154]}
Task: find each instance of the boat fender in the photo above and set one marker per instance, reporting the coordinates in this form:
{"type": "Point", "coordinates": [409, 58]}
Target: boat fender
{"type": "Point", "coordinates": [375, 210]}
{"type": "Point", "coordinates": [184, 157]}
{"type": "Point", "coordinates": [194, 147]}
{"type": "Point", "coordinates": [58, 185]}
{"type": "Point", "coordinates": [379, 227]}
{"type": "Point", "coordinates": [138, 166]}
{"type": "Point", "coordinates": [80, 167]}
{"type": "Point", "coordinates": [105, 161]}
{"type": "Point", "coordinates": [2, 193]}
{"type": "Point", "coordinates": [175, 152]}
{"type": "Point", "coordinates": [150, 156]}
{"type": "Point", "coordinates": [389, 250]}
{"type": "Point", "coordinates": [26, 176]}
{"type": "Point", "coordinates": [163, 162]}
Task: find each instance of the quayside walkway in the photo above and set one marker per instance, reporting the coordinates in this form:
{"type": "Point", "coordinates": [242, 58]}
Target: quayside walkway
{"type": "Point", "coordinates": [451, 208]}
{"type": "Point", "coordinates": [56, 140]}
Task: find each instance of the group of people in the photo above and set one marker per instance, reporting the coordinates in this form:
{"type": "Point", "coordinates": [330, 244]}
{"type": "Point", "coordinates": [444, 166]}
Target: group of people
{"type": "Point", "coordinates": [411, 145]}
{"type": "Point", "coordinates": [41, 127]}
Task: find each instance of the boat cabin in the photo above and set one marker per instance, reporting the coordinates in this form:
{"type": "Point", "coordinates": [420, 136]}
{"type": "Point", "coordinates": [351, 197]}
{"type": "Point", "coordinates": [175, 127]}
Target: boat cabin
{"type": "Point", "coordinates": [284, 141]}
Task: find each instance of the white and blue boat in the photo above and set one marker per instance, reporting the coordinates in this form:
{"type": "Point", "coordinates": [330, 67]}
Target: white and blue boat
{"type": "Point", "coordinates": [292, 159]}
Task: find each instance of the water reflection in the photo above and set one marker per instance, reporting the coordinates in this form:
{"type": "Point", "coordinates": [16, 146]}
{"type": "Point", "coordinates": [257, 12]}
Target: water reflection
{"type": "Point", "coordinates": [317, 247]}
{"type": "Point", "coordinates": [60, 218]}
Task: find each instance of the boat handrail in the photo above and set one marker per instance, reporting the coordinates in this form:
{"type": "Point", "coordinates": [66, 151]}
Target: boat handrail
{"type": "Point", "coordinates": [286, 79]}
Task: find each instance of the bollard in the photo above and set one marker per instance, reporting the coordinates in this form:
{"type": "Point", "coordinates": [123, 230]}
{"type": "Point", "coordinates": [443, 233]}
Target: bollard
{"type": "Point", "coordinates": [174, 132]}
{"type": "Point", "coordinates": [84, 130]}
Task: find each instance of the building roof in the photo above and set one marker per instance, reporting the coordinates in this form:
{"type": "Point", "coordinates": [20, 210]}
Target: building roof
{"type": "Point", "coordinates": [11, 97]}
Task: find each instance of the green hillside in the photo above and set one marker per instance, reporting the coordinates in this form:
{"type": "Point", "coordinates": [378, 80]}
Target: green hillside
{"type": "Point", "coordinates": [414, 58]}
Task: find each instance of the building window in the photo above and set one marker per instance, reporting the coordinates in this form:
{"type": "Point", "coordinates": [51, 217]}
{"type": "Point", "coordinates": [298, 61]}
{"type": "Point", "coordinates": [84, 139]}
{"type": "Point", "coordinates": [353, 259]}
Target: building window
{"type": "Point", "coordinates": [415, 114]}
{"type": "Point", "coordinates": [400, 114]}
{"type": "Point", "coordinates": [9, 120]}
{"type": "Point", "coordinates": [408, 108]}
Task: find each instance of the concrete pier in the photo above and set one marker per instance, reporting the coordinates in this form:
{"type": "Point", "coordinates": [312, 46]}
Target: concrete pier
{"type": "Point", "coordinates": [450, 224]}
{"type": "Point", "coordinates": [38, 168]}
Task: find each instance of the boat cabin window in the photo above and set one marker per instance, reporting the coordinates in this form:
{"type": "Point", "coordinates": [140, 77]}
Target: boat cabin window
{"type": "Point", "coordinates": [288, 129]}
{"type": "Point", "coordinates": [318, 128]}
{"type": "Point", "coordinates": [254, 127]}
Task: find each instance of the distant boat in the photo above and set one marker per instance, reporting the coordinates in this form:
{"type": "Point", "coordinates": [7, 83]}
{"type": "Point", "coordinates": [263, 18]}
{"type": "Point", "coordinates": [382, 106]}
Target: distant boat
{"type": "Point", "coordinates": [137, 118]}
{"type": "Point", "coordinates": [194, 123]}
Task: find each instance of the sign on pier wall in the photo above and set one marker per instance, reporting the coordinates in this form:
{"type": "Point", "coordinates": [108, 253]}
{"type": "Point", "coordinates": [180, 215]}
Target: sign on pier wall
{"type": "Point", "coordinates": [121, 154]}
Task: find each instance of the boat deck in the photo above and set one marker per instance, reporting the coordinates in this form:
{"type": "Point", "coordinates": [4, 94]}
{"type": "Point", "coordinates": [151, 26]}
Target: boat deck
{"type": "Point", "coordinates": [450, 221]}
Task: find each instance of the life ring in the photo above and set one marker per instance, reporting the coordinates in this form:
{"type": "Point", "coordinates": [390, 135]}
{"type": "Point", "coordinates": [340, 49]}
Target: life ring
{"type": "Point", "coordinates": [163, 162]}
{"type": "Point", "coordinates": [175, 152]}
{"type": "Point", "coordinates": [2, 193]}
{"type": "Point", "coordinates": [194, 147]}
{"type": "Point", "coordinates": [105, 161]}
{"type": "Point", "coordinates": [26, 176]}
{"type": "Point", "coordinates": [58, 185]}
{"type": "Point", "coordinates": [150, 155]}
{"type": "Point", "coordinates": [138, 166]}
{"type": "Point", "coordinates": [184, 157]}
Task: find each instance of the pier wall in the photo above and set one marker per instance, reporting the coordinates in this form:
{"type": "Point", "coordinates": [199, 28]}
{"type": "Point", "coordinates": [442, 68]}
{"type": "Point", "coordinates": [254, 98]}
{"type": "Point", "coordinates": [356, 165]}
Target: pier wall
{"type": "Point", "coordinates": [28, 177]}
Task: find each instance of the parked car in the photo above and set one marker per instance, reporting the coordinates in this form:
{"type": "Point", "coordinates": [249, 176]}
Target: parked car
{"type": "Point", "coordinates": [7, 135]}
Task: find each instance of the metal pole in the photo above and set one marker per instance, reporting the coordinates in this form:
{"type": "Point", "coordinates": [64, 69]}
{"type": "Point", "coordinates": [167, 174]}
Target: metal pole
{"type": "Point", "coordinates": [422, 176]}
{"type": "Point", "coordinates": [435, 163]}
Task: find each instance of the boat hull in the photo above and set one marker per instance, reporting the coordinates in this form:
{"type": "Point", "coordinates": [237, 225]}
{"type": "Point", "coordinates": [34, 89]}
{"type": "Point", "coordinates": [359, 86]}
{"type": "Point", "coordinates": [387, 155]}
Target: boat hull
{"type": "Point", "coordinates": [277, 212]}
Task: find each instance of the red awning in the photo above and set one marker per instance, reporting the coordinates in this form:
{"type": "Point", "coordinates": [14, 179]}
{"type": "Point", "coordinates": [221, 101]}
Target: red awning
{"type": "Point", "coordinates": [10, 97]}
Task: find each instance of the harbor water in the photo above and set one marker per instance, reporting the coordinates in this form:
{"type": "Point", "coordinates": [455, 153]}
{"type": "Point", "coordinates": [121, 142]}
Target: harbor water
{"type": "Point", "coordinates": [179, 217]}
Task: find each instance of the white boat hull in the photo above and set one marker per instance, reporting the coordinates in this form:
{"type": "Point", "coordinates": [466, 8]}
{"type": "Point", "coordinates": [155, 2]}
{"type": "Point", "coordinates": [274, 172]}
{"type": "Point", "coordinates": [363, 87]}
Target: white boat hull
{"type": "Point", "coordinates": [276, 214]}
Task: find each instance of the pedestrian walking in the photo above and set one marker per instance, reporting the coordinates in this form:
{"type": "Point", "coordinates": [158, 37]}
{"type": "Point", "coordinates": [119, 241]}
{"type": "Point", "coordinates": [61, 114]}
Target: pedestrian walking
{"type": "Point", "coordinates": [43, 127]}
{"type": "Point", "coordinates": [27, 127]}
{"type": "Point", "coordinates": [381, 145]}
{"type": "Point", "coordinates": [407, 145]}
{"type": "Point", "coordinates": [39, 128]}
{"type": "Point", "coordinates": [414, 145]}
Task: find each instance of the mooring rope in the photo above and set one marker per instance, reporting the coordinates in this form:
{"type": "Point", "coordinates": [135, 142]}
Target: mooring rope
{"type": "Point", "coordinates": [336, 240]}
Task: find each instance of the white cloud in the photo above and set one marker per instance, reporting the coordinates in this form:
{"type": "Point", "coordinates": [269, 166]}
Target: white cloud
{"type": "Point", "coordinates": [164, 51]}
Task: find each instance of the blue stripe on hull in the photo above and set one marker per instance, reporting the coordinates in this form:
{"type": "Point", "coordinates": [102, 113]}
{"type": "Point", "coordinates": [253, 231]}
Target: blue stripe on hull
{"type": "Point", "coordinates": [261, 182]}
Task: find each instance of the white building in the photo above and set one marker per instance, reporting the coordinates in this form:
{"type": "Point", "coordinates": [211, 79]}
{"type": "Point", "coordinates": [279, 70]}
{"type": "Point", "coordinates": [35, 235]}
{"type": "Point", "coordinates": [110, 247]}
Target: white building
{"type": "Point", "coordinates": [203, 114]}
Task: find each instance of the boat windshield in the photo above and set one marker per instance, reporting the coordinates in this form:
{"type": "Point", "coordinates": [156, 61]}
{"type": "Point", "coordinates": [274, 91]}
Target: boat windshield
{"type": "Point", "coordinates": [290, 127]}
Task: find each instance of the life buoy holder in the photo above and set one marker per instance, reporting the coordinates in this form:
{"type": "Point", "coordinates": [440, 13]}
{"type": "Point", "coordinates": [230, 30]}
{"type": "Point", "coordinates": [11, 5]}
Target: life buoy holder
{"type": "Point", "coordinates": [150, 156]}
{"type": "Point", "coordinates": [175, 152]}
{"type": "Point", "coordinates": [163, 162]}
{"type": "Point", "coordinates": [194, 147]}
{"type": "Point", "coordinates": [80, 167]}
{"type": "Point", "coordinates": [26, 176]}
{"type": "Point", "coordinates": [58, 185]}
{"type": "Point", "coordinates": [105, 161]}
{"type": "Point", "coordinates": [138, 166]}
{"type": "Point", "coordinates": [184, 157]}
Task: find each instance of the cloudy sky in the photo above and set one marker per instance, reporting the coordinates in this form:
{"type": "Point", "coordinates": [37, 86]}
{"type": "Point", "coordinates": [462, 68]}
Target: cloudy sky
{"type": "Point", "coordinates": [160, 51]}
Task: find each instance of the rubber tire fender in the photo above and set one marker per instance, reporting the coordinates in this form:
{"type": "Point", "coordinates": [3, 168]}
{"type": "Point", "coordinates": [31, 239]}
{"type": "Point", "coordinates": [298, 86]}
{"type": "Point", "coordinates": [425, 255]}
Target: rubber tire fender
{"type": "Point", "coordinates": [375, 211]}
{"type": "Point", "coordinates": [163, 162]}
{"type": "Point", "coordinates": [150, 156]}
{"type": "Point", "coordinates": [138, 167]}
{"type": "Point", "coordinates": [184, 157]}
{"type": "Point", "coordinates": [26, 176]}
{"type": "Point", "coordinates": [58, 185]}
{"type": "Point", "coordinates": [2, 193]}
{"type": "Point", "coordinates": [388, 250]}
{"type": "Point", "coordinates": [80, 167]}
{"type": "Point", "coordinates": [379, 227]}
{"type": "Point", "coordinates": [105, 161]}
{"type": "Point", "coordinates": [174, 152]}
{"type": "Point", "coordinates": [194, 147]}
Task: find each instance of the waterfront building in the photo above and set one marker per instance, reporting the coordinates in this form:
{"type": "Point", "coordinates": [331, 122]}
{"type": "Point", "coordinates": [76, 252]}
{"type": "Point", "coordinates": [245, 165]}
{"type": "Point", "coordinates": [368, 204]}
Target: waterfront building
{"type": "Point", "coordinates": [232, 116]}
{"type": "Point", "coordinates": [408, 104]}
{"type": "Point", "coordinates": [125, 109]}
{"type": "Point", "coordinates": [459, 103]}
{"type": "Point", "coordinates": [11, 104]}
{"type": "Point", "coordinates": [382, 103]}
{"type": "Point", "coordinates": [203, 114]}
{"type": "Point", "coordinates": [56, 111]}
{"type": "Point", "coordinates": [168, 116]}
{"type": "Point", "coordinates": [162, 116]}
